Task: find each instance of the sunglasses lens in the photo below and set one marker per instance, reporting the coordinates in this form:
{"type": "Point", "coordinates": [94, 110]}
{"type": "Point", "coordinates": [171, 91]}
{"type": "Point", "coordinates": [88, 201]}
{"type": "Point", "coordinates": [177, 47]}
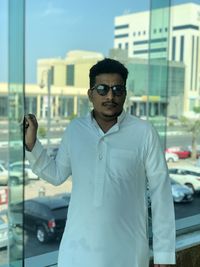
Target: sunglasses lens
{"type": "Point", "coordinates": [102, 89]}
{"type": "Point", "coordinates": [118, 90]}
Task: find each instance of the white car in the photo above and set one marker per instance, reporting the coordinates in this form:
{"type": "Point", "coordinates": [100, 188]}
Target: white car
{"type": "Point", "coordinates": [18, 166]}
{"type": "Point", "coordinates": [16, 177]}
{"type": "Point", "coordinates": [171, 157]}
{"type": "Point", "coordinates": [3, 233]}
{"type": "Point", "coordinates": [187, 175]}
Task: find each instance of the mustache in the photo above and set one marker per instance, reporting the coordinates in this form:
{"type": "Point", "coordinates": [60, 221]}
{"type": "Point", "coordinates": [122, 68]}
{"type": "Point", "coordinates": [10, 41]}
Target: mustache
{"type": "Point", "coordinates": [109, 103]}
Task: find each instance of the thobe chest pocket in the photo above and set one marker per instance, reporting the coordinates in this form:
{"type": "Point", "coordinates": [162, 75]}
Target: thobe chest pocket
{"type": "Point", "coordinates": [122, 163]}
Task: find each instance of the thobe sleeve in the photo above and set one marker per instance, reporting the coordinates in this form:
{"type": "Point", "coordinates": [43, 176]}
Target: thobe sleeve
{"type": "Point", "coordinates": [163, 221]}
{"type": "Point", "coordinates": [55, 171]}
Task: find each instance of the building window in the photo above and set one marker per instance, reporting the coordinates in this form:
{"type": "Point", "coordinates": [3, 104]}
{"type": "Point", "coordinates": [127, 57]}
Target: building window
{"type": "Point", "coordinates": [182, 49]}
{"type": "Point", "coordinates": [126, 46]}
{"type": "Point", "coordinates": [186, 27]}
{"type": "Point", "coordinates": [155, 31]}
{"type": "Point", "coordinates": [134, 34]}
{"type": "Point", "coordinates": [52, 75]}
{"type": "Point", "coordinates": [139, 33]}
{"type": "Point", "coordinates": [144, 32]}
{"type": "Point", "coordinates": [3, 106]}
{"type": "Point", "coordinates": [173, 48]}
{"type": "Point", "coordinates": [70, 75]}
{"type": "Point", "coordinates": [166, 29]}
{"type": "Point", "coordinates": [121, 35]}
{"type": "Point", "coordinates": [125, 26]}
{"type": "Point", "coordinates": [160, 30]}
{"type": "Point", "coordinates": [120, 46]}
{"type": "Point", "coordinates": [157, 40]}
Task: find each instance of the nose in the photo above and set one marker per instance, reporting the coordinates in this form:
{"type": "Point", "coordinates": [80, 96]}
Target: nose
{"type": "Point", "coordinates": [110, 94]}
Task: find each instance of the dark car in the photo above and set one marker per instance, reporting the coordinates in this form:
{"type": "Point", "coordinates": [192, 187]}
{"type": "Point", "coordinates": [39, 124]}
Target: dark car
{"type": "Point", "coordinates": [46, 216]}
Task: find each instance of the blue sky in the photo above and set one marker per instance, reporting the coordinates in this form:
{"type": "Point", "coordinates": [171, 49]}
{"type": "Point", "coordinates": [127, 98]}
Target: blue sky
{"type": "Point", "coordinates": [54, 27]}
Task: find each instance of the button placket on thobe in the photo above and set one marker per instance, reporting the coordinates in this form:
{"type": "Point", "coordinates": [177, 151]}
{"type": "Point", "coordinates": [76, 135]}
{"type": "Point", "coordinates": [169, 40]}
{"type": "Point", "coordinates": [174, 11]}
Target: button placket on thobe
{"type": "Point", "coordinates": [99, 179]}
{"type": "Point", "coordinates": [101, 161]}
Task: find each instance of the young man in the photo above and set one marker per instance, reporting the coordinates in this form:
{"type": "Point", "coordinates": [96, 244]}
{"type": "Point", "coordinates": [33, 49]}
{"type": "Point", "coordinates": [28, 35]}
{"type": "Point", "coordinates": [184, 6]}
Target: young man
{"type": "Point", "coordinates": [111, 155]}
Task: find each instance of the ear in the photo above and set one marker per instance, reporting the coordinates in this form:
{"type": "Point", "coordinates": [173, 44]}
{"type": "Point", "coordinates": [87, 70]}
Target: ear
{"type": "Point", "coordinates": [89, 92]}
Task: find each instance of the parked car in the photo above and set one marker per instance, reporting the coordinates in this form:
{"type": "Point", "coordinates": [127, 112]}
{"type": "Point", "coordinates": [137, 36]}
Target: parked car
{"type": "Point", "coordinates": [16, 177]}
{"type": "Point", "coordinates": [16, 230]}
{"type": "Point", "coordinates": [19, 165]}
{"type": "Point", "coordinates": [2, 162]}
{"type": "Point", "coordinates": [6, 238]}
{"type": "Point", "coordinates": [46, 217]}
{"type": "Point", "coordinates": [181, 193]}
{"type": "Point", "coordinates": [3, 175]}
{"type": "Point", "coordinates": [182, 152]}
{"type": "Point", "coordinates": [187, 175]}
{"type": "Point", "coordinates": [3, 233]}
{"type": "Point", "coordinates": [171, 157]}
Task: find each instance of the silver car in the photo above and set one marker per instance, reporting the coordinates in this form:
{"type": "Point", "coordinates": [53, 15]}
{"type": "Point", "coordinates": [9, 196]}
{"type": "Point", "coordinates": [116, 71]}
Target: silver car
{"type": "Point", "coordinates": [181, 193]}
{"type": "Point", "coordinates": [15, 177]}
{"type": "Point", "coordinates": [5, 235]}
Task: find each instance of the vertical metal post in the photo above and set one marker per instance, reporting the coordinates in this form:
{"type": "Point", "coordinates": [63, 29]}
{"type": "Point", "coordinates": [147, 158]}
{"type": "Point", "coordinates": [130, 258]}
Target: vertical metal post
{"type": "Point", "coordinates": [49, 79]}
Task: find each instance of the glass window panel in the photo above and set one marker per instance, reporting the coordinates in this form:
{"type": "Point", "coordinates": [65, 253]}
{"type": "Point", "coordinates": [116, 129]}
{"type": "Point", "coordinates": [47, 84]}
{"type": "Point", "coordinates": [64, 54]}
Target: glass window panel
{"type": "Point", "coordinates": [157, 95]}
{"type": "Point", "coordinates": [4, 232]}
{"type": "Point", "coordinates": [16, 16]}
{"type": "Point", "coordinates": [182, 121]}
{"type": "Point", "coordinates": [156, 87]}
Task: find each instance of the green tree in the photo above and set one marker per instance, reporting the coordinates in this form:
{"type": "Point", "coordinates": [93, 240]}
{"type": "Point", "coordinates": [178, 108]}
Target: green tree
{"type": "Point", "coordinates": [42, 131]}
{"type": "Point", "coordinates": [192, 125]}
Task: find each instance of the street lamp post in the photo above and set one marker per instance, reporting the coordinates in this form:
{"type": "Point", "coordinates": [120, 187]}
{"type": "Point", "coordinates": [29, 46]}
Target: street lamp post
{"type": "Point", "coordinates": [48, 85]}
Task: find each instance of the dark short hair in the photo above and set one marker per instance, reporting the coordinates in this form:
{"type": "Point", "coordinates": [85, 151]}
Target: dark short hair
{"type": "Point", "coordinates": [107, 65]}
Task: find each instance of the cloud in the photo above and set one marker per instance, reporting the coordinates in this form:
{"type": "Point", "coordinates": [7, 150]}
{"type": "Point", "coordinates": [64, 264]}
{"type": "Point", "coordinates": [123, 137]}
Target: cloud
{"type": "Point", "coordinates": [64, 15]}
{"type": "Point", "coordinates": [52, 11]}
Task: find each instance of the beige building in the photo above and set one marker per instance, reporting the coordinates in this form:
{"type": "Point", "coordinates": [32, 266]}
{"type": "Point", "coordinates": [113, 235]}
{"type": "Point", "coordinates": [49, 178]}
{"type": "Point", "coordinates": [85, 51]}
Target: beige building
{"type": "Point", "coordinates": [61, 83]}
{"type": "Point", "coordinates": [71, 71]}
{"type": "Point", "coordinates": [68, 81]}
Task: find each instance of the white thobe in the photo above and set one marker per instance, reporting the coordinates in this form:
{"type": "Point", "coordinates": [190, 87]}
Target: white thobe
{"type": "Point", "coordinates": [107, 223]}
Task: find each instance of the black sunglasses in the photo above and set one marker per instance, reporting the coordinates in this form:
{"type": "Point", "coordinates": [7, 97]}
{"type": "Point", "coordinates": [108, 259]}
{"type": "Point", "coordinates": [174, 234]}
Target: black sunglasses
{"type": "Point", "coordinates": [103, 89]}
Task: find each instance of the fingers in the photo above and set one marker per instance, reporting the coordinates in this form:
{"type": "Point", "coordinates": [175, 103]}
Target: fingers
{"type": "Point", "coordinates": [30, 120]}
{"type": "Point", "coordinates": [31, 116]}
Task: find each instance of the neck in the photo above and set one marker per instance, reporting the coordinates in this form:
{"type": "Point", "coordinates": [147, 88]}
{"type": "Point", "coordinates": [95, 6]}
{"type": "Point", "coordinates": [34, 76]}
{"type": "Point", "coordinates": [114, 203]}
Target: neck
{"type": "Point", "coordinates": [105, 123]}
{"type": "Point", "coordinates": [105, 126]}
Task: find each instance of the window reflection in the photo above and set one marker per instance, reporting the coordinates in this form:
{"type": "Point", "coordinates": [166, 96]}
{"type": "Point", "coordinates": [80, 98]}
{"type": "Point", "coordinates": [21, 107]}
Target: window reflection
{"type": "Point", "coordinates": [163, 86]}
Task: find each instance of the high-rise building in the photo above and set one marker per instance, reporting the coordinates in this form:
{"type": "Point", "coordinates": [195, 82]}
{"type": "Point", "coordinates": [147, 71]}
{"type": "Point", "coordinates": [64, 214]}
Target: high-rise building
{"type": "Point", "coordinates": [178, 39]}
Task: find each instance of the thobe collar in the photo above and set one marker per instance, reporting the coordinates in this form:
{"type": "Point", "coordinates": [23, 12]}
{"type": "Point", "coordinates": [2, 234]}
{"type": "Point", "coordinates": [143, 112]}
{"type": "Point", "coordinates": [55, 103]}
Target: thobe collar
{"type": "Point", "coordinates": [114, 128]}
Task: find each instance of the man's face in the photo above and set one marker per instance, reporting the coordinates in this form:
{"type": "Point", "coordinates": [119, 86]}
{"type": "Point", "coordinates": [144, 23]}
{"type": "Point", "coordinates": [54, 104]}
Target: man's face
{"type": "Point", "coordinates": [107, 107]}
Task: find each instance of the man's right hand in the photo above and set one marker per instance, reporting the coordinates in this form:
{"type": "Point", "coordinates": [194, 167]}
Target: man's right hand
{"type": "Point", "coordinates": [31, 126]}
